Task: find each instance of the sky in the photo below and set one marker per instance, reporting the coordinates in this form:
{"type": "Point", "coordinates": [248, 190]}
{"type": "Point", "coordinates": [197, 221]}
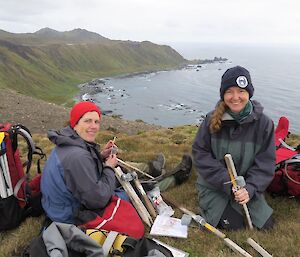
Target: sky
{"type": "Point", "coordinates": [160, 21]}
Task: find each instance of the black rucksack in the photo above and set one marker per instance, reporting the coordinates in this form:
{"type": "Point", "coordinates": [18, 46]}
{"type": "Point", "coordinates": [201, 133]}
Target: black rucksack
{"type": "Point", "coordinates": [78, 244]}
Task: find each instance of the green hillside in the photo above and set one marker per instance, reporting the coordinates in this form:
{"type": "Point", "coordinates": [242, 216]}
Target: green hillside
{"type": "Point", "coordinates": [49, 64]}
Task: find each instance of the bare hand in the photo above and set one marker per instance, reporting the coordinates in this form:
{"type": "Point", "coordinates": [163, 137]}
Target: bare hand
{"type": "Point", "coordinates": [106, 151]}
{"type": "Point", "coordinates": [241, 196]}
{"type": "Point", "coordinates": [111, 161]}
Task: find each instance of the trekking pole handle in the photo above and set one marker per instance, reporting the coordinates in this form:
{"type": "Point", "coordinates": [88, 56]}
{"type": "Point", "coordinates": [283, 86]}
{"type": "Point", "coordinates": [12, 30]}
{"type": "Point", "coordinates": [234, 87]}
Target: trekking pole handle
{"type": "Point", "coordinates": [233, 174]}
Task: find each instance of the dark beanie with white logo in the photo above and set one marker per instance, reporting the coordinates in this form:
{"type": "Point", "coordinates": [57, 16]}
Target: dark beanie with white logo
{"type": "Point", "coordinates": [236, 76]}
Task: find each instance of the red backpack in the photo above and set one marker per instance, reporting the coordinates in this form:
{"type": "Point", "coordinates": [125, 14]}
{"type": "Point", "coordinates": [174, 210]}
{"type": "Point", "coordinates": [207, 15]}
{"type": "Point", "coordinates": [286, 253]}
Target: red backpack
{"type": "Point", "coordinates": [287, 174]}
{"type": "Point", "coordinates": [19, 196]}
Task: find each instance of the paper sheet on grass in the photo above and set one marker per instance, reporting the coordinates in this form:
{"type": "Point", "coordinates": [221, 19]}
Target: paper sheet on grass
{"type": "Point", "coordinates": [168, 226]}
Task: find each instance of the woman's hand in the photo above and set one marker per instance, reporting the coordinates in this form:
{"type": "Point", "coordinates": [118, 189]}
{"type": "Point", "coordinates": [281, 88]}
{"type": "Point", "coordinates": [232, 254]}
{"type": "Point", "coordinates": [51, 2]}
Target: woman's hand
{"type": "Point", "coordinates": [111, 161]}
{"type": "Point", "coordinates": [107, 149]}
{"type": "Point", "coordinates": [241, 196]}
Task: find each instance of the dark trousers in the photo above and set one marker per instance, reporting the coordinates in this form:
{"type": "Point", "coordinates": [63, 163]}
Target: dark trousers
{"type": "Point", "coordinates": [233, 220]}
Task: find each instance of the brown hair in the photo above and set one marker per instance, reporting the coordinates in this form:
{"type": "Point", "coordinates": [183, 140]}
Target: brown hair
{"type": "Point", "coordinates": [215, 121]}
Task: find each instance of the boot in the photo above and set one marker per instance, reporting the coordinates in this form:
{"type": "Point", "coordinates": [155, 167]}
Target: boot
{"type": "Point", "coordinates": [156, 166]}
{"type": "Point", "coordinates": [148, 185]}
{"type": "Point", "coordinates": [183, 169]}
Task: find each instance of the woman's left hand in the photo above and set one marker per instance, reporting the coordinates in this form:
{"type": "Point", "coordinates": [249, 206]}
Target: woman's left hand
{"type": "Point", "coordinates": [241, 196]}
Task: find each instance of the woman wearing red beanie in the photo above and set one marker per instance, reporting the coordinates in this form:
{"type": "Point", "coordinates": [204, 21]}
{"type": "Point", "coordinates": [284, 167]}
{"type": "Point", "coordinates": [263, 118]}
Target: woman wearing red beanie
{"type": "Point", "coordinates": [78, 182]}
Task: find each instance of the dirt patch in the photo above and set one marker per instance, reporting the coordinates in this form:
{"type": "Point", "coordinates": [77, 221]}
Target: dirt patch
{"type": "Point", "coordinates": [40, 116]}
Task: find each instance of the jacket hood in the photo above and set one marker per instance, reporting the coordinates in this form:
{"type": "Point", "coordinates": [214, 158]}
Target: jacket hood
{"type": "Point", "coordinates": [67, 137]}
{"type": "Point", "coordinates": [257, 107]}
{"type": "Point", "coordinates": [256, 113]}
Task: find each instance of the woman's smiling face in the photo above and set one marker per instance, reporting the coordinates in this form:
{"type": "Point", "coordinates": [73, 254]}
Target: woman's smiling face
{"type": "Point", "coordinates": [88, 126]}
{"type": "Point", "coordinates": [236, 98]}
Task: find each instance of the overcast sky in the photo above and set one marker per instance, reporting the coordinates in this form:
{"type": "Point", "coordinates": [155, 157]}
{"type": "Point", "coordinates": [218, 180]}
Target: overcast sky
{"type": "Point", "coordinates": [161, 21]}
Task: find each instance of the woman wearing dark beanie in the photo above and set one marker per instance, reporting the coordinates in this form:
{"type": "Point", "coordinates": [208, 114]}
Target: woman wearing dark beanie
{"type": "Point", "coordinates": [78, 182]}
{"type": "Point", "coordinates": [239, 127]}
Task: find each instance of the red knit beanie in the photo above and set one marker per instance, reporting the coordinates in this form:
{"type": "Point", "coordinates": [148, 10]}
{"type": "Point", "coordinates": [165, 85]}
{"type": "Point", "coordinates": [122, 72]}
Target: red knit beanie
{"type": "Point", "coordinates": [80, 109]}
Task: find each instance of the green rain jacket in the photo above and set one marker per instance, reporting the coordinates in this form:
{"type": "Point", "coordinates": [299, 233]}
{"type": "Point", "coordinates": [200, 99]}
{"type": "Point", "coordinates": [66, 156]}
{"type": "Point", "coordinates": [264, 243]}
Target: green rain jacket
{"type": "Point", "coordinates": [252, 146]}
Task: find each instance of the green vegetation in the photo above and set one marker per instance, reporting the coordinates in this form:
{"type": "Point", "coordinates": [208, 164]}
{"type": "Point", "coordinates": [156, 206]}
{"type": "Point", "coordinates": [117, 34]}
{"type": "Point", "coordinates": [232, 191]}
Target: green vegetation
{"type": "Point", "coordinates": [283, 240]}
{"type": "Point", "coordinates": [49, 64]}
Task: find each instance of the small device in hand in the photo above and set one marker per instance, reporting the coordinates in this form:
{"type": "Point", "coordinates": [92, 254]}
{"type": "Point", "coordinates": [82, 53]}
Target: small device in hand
{"type": "Point", "coordinates": [114, 149]}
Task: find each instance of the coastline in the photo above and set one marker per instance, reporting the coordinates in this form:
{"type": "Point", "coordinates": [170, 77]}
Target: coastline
{"type": "Point", "coordinates": [96, 85]}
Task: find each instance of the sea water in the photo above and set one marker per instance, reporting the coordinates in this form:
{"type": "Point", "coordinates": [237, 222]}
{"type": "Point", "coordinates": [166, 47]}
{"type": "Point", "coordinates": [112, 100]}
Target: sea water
{"type": "Point", "coordinates": [178, 97]}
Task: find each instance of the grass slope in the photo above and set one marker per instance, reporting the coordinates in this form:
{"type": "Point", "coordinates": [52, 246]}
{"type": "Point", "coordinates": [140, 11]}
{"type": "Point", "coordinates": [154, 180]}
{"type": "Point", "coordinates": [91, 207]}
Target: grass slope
{"type": "Point", "coordinates": [52, 71]}
{"type": "Point", "coordinates": [283, 240]}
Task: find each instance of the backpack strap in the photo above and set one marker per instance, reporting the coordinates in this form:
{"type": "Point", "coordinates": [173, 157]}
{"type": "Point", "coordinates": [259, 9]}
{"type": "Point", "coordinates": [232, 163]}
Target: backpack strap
{"type": "Point", "coordinates": [32, 148]}
{"type": "Point", "coordinates": [24, 132]}
{"type": "Point", "coordinates": [18, 186]}
{"type": "Point", "coordinates": [14, 131]}
{"type": "Point", "coordinates": [42, 155]}
{"type": "Point", "coordinates": [109, 241]}
{"type": "Point", "coordinates": [285, 145]}
{"type": "Point", "coordinates": [291, 161]}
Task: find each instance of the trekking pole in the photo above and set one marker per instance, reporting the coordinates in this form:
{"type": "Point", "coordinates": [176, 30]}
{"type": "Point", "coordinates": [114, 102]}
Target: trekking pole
{"type": "Point", "coordinates": [125, 164]}
{"type": "Point", "coordinates": [136, 201]}
{"type": "Point", "coordinates": [202, 222]}
{"type": "Point", "coordinates": [258, 248]}
{"type": "Point", "coordinates": [233, 175]}
{"type": "Point", "coordinates": [140, 188]}
{"type": "Point", "coordinates": [147, 201]}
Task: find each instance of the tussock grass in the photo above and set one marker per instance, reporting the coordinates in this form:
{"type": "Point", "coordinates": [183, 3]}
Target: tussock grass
{"type": "Point", "coordinates": [283, 240]}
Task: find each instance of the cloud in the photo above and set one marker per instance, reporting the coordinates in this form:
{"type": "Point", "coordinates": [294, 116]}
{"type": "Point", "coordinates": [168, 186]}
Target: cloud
{"type": "Point", "coordinates": [163, 20]}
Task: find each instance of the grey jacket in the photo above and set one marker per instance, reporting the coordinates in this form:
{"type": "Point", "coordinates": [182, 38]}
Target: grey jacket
{"type": "Point", "coordinates": [252, 145]}
{"type": "Point", "coordinates": [74, 175]}
{"type": "Point", "coordinates": [60, 237]}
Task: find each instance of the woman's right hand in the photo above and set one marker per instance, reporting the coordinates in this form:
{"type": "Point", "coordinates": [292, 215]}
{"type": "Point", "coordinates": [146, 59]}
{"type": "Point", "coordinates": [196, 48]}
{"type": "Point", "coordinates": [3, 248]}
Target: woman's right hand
{"type": "Point", "coordinates": [241, 196]}
{"type": "Point", "coordinates": [111, 161]}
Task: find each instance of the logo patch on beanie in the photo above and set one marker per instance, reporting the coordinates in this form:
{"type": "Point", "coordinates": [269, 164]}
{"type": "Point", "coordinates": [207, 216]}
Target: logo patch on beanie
{"type": "Point", "coordinates": [242, 81]}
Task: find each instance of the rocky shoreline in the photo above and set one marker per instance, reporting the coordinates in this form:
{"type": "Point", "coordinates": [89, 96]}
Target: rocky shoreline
{"type": "Point", "coordinates": [98, 85]}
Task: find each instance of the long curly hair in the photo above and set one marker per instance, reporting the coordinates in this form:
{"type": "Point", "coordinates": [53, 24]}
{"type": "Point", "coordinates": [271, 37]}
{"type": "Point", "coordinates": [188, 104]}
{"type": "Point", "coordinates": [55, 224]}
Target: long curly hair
{"type": "Point", "coordinates": [215, 123]}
